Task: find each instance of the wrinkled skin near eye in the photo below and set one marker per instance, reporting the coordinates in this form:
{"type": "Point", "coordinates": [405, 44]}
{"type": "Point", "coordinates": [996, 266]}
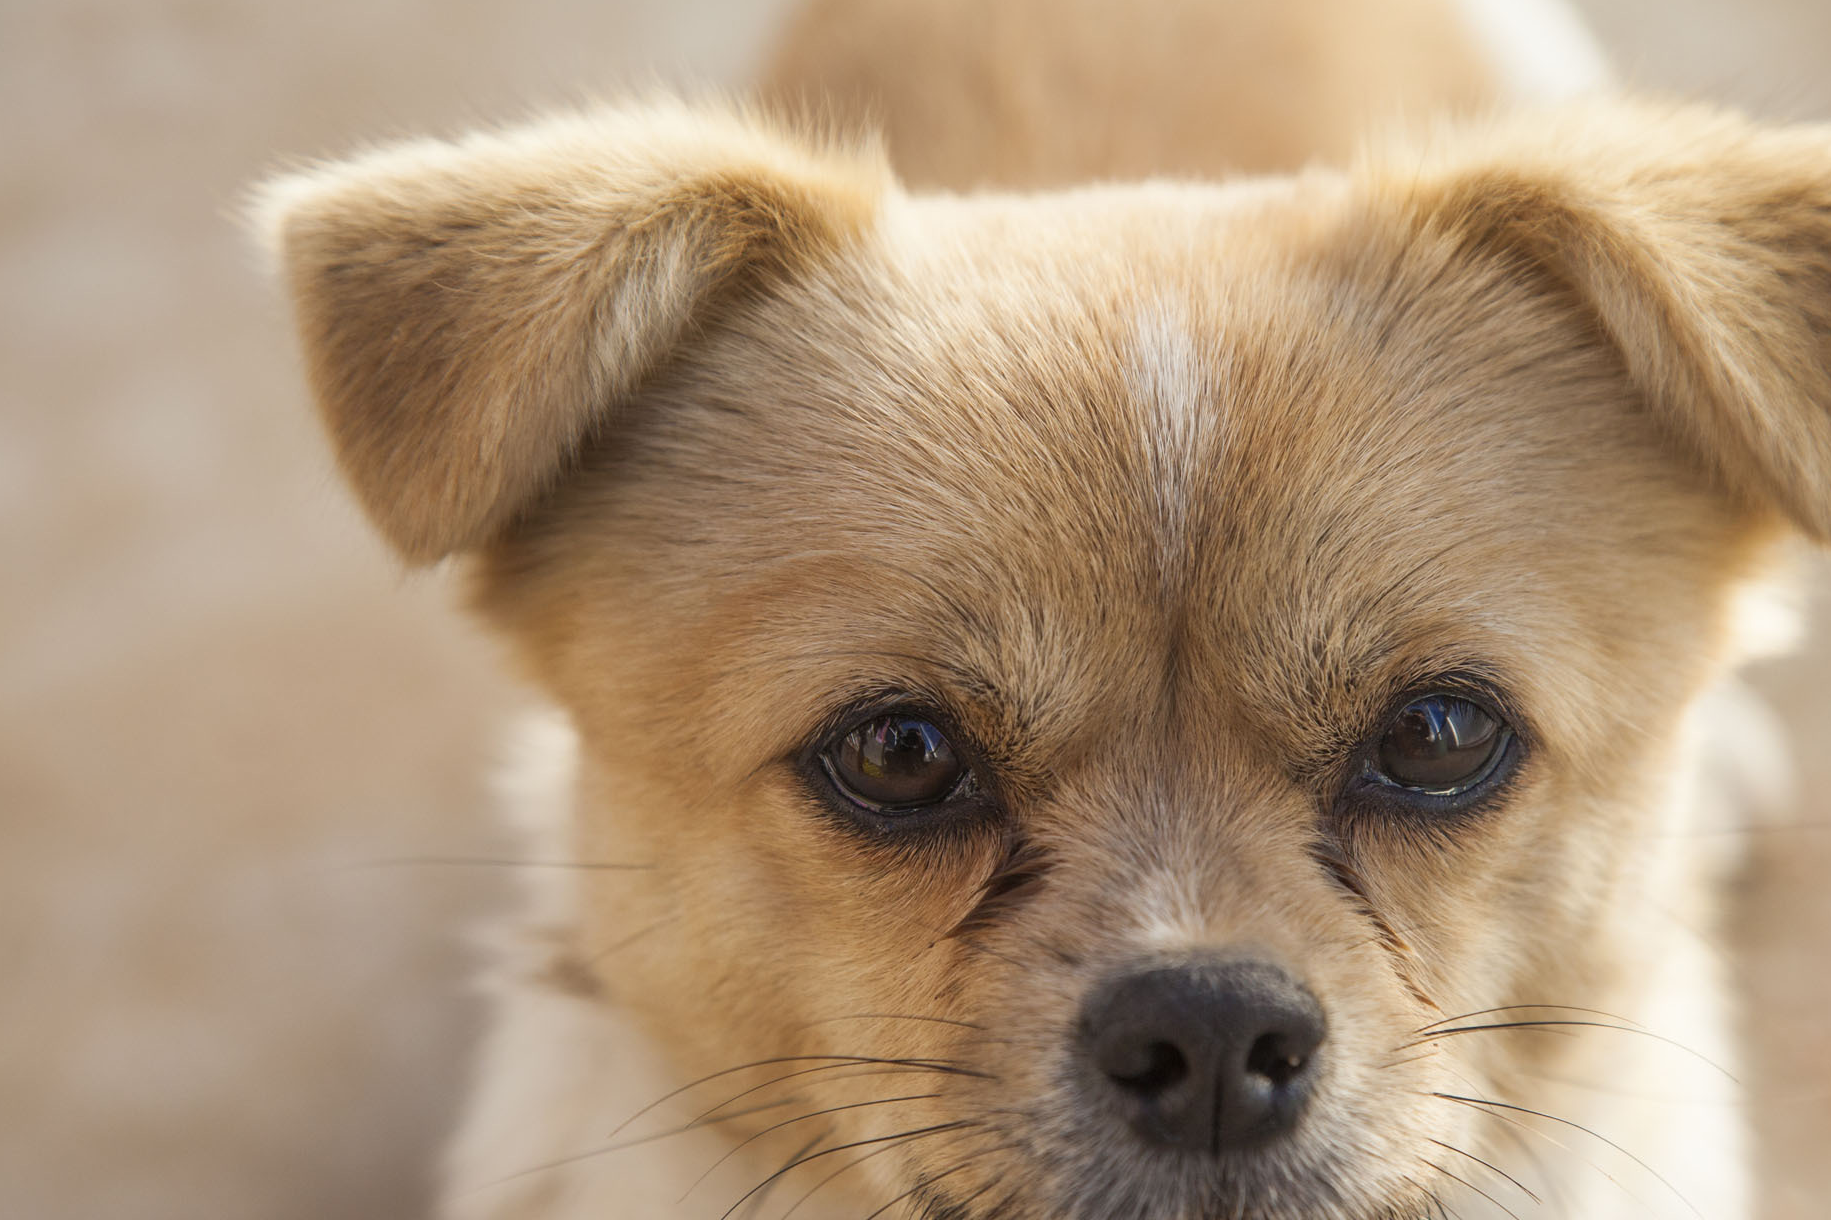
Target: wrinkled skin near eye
{"type": "Point", "coordinates": [1442, 745]}
{"type": "Point", "coordinates": [895, 763]}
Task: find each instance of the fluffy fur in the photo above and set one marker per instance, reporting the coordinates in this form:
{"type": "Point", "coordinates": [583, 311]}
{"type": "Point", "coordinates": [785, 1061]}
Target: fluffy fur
{"type": "Point", "coordinates": [1162, 494]}
{"type": "Point", "coordinates": [465, 337]}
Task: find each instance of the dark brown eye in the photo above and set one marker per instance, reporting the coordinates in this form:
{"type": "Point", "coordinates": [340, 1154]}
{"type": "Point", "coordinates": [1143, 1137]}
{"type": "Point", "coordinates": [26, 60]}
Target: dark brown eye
{"type": "Point", "coordinates": [895, 763]}
{"type": "Point", "coordinates": [1441, 744]}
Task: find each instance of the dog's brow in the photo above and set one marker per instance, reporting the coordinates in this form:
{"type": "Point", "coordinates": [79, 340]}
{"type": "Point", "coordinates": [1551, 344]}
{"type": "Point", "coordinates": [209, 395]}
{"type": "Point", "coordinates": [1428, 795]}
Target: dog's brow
{"type": "Point", "coordinates": [928, 677]}
{"type": "Point", "coordinates": [1176, 394]}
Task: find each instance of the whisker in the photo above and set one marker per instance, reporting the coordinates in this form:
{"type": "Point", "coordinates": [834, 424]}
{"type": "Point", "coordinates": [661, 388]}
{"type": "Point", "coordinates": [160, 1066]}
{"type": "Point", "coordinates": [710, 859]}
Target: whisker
{"type": "Point", "coordinates": [1004, 1202]}
{"type": "Point", "coordinates": [891, 1016]}
{"type": "Point", "coordinates": [1670, 1097]}
{"type": "Point", "coordinates": [943, 1066]}
{"type": "Point", "coordinates": [1515, 1128]}
{"type": "Point", "coordinates": [1565, 1026]}
{"type": "Point", "coordinates": [917, 1188]}
{"type": "Point", "coordinates": [699, 1124]}
{"type": "Point", "coordinates": [605, 1149]}
{"type": "Point", "coordinates": [1471, 1186]}
{"type": "Point", "coordinates": [1659, 1177]}
{"type": "Point", "coordinates": [900, 1137]}
{"type": "Point", "coordinates": [963, 1163]}
{"type": "Point", "coordinates": [975, 1196]}
{"type": "Point", "coordinates": [625, 942]}
{"type": "Point", "coordinates": [1747, 828]}
{"type": "Point", "coordinates": [1488, 1012]}
{"type": "Point", "coordinates": [789, 1122]}
{"type": "Point", "coordinates": [843, 1169]}
{"type": "Point", "coordinates": [756, 1205]}
{"type": "Point", "coordinates": [1548, 1027]}
{"type": "Point", "coordinates": [1491, 1168]}
{"type": "Point", "coordinates": [894, 1071]}
{"type": "Point", "coordinates": [492, 862]}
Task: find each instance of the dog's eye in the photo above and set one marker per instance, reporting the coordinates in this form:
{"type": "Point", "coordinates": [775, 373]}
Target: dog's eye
{"type": "Point", "coordinates": [895, 763]}
{"type": "Point", "coordinates": [1441, 744]}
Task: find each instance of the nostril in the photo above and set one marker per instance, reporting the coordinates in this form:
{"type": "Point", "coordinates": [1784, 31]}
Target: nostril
{"type": "Point", "coordinates": [1204, 1055]}
{"type": "Point", "coordinates": [1163, 1068]}
{"type": "Point", "coordinates": [1276, 1058]}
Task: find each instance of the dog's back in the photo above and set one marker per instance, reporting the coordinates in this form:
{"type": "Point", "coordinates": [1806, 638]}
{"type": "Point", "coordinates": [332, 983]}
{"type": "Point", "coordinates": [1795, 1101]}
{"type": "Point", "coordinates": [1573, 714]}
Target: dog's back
{"type": "Point", "coordinates": [1040, 93]}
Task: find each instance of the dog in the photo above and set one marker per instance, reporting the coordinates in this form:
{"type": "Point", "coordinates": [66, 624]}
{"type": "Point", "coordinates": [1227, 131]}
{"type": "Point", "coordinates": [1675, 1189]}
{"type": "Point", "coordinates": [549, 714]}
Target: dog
{"type": "Point", "coordinates": [1155, 699]}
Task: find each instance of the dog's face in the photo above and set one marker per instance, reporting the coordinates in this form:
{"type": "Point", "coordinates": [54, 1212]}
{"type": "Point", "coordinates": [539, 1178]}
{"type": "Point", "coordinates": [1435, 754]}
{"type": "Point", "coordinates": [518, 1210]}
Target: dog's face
{"type": "Point", "coordinates": [1093, 684]}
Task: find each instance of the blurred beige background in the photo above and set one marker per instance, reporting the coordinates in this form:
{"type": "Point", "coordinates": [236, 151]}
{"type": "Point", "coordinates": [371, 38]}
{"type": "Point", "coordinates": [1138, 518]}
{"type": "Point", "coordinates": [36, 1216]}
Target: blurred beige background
{"type": "Point", "coordinates": [232, 984]}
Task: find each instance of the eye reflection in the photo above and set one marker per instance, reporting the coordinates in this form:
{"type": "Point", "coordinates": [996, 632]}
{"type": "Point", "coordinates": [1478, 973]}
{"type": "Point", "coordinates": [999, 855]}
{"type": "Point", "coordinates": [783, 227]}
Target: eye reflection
{"type": "Point", "coordinates": [896, 762]}
{"type": "Point", "coordinates": [1442, 744]}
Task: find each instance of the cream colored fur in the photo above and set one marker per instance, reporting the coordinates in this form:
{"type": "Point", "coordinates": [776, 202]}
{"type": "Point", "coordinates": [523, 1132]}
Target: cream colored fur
{"type": "Point", "coordinates": [559, 1073]}
{"type": "Point", "coordinates": [1163, 488]}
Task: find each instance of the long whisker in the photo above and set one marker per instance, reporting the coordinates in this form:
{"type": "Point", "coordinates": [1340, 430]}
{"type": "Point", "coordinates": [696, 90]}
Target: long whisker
{"type": "Point", "coordinates": [842, 1170]}
{"type": "Point", "coordinates": [891, 1016]}
{"type": "Point", "coordinates": [963, 1163]}
{"type": "Point", "coordinates": [1491, 1168]}
{"type": "Point", "coordinates": [1562, 1026]}
{"type": "Point", "coordinates": [1488, 1012]}
{"type": "Point", "coordinates": [789, 1122]}
{"type": "Point", "coordinates": [977, 1194]}
{"type": "Point", "coordinates": [1443, 1209]}
{"type": "Point", "coordinates": [1004, 1202]}
{"type": "Point", "coordinates": [588, 866]}
{"type": "Point", "coordinates": [756, 1205]}
{"type": "Point", "coordinates": [1470, 1185]}
{"type": "Point", "coordinates": [943, 1066]}
{"type": "Point", "coordinates": [1651, 1095]}
{"type": "Point", "coordinates": [1747, 828]}
{"type": "Point", "coordinates": [625, 942]}
{"type": "Point", "coordinates": [1659, 1177]}
{"type": "Point", "coordinates": [918, 1187]}
{"type": "Point", "coordinates": [708, 1118]}
{"type": "Point", "coordinates": [1518, 1130]}
{"type": "Point", "coordinates": [831, 1067]}
{"type": "Point", "coordinates": [605, 1149]}
{"type": "Point", "coordinates": [697, 1124]}
{"type": "Point", "coordinates": [899, 1137]}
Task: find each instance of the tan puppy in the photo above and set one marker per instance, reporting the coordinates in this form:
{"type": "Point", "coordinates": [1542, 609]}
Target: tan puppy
{"type": "Point", "coordinates": [1169, 701]}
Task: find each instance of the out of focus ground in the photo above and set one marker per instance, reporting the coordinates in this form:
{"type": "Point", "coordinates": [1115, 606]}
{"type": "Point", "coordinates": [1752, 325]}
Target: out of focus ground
{"type": "Point", "coordinates": [230, 731]}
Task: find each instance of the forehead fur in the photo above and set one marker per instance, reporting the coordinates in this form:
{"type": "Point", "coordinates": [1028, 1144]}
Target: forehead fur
{"type": "Point", "coordinates": [1124, 443]}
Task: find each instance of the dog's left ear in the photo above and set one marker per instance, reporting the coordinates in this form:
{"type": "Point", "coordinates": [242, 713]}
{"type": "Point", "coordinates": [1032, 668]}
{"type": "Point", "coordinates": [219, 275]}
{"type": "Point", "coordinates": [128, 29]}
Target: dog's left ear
{"type": "Point", "coordinates": [471, 311]}
{"type": "Point", "coordinates": [1699, 244]}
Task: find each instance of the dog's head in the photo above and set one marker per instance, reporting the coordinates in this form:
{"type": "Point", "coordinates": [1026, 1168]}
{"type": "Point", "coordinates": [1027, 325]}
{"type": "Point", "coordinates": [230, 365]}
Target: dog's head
{"type": "Point", "coordinates": [1097, 681]}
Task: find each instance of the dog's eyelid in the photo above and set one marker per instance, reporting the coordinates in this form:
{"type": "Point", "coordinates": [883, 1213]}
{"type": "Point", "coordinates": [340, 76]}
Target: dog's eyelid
{"type": "Point", "coordinates": [970, 707]}
{"type": "Point", "coordinates": [1480, 682]}
{"type": "Point", "coordinates": [879, 700]}
{"type": "Point", "coordinates": [859, 763]}
{"type": "Point", "coordinates": [1362, 786]}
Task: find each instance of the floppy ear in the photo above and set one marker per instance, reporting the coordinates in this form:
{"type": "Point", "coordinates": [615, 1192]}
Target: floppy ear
{"type": "Point", "coordinates": [470, 310]}
{"type": "Point", "coordinates": [1700, 244]}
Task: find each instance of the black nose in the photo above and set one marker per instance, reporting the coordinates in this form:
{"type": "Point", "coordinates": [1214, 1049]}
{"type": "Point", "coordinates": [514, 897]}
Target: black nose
{"type": "Point", "coordinates": [1203, 1056]}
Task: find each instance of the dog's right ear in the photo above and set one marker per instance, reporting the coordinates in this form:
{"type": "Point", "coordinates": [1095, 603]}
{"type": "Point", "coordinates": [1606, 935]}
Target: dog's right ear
{"type": "Point", "coordinates": [470, 311]}
{"type": "Point", "coordinates": [1697, 243]}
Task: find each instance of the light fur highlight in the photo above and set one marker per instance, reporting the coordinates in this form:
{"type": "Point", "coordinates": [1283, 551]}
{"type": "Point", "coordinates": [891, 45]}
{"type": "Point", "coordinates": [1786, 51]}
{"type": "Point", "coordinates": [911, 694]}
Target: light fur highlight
{"type": "Point", "coordinates": [1160, 495]}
